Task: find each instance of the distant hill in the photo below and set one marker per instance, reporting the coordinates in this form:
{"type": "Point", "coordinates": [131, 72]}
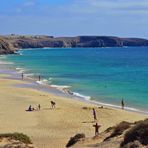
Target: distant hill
{"type": "Point", "coordinates": [8, 44]}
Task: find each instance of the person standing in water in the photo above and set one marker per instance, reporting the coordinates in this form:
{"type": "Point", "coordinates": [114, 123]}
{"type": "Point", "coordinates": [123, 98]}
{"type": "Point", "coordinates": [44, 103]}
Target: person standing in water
{"type": "Point", "coordinates": [122, 104]}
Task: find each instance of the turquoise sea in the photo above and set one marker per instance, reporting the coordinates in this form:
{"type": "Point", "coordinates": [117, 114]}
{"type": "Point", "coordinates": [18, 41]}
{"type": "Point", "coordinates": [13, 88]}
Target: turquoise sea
{"type": "Point", "coordinates": [104, 75]}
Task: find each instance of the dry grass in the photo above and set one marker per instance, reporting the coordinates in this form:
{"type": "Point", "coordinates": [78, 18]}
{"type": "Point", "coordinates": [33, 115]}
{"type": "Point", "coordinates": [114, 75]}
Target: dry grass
{"type": "Point", "coordinates": [17, 136]}
{"type": "Point", "coordinates": [138, 133]}
{"type": "Point", "coordinates": [119, 129]}
{"type": "Point", "coordinates": [75, 139]}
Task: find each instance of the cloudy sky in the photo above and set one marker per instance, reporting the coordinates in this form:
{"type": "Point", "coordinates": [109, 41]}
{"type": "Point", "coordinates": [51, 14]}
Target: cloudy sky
{"type": "Point", "coordinates": [124, 18]}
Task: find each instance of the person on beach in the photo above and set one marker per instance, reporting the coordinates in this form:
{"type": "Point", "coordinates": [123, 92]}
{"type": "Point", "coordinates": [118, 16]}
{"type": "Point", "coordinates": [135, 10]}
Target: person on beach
{"type": "Point", "coordinates": [22, 76]}
{"type": "Point", "coordinates": [53, 104]}
{"type": "Point", "coordinates": [122, 104]}
{"type": "Point", "coordinates": [96, 126]}
{"type": "Point", "coordinates": [39, 106]}
{"type": "Point", "coordinates": [94, 114]}
{"type": "Point", "coordinates": [39, 77]}
{"type": "Point", "coordinates": [30, 108]}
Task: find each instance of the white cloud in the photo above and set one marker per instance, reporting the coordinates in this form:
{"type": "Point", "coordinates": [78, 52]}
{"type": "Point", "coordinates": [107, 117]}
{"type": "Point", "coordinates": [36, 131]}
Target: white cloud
{"type": "Point", "coordinates": [29, 3]}
{"type": "Point", "coordinates": [101, 17]}
{"type": "Point", "coordinates": [24, 7]}
{"type": "Point", "coordinates": [124, 5]}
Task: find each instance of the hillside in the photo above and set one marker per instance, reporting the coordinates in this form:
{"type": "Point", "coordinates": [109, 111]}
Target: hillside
{"type": "Point", "coordinates": [123, 135]}
{"type": "Point", "coordinates": [8, 44]}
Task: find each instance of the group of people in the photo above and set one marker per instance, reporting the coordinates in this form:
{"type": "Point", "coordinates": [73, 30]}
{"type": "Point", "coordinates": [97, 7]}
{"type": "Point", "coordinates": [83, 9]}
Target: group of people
{"type": "Point", "coordinates": [30, 108]}
{"type": "Point", "coordinates": [96, 125]}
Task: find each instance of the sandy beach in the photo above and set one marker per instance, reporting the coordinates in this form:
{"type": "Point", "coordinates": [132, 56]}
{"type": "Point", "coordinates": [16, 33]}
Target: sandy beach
{"type": "Point", "coordinates": [51, 127]}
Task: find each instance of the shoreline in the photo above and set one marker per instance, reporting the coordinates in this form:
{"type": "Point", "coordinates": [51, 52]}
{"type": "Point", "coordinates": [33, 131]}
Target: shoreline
{"type": "Point", "coordinates": [51, 127]}
{"type": "Point", "coordinates": [63, 90]}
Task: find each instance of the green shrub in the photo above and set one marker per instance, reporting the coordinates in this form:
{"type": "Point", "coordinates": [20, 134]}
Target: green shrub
{"type": "Point", "coordinates": [138, 133]}
{"type": "Point", "coordinates": [119, 129]}
{"type": "Point", "coordinates": [17, 136]}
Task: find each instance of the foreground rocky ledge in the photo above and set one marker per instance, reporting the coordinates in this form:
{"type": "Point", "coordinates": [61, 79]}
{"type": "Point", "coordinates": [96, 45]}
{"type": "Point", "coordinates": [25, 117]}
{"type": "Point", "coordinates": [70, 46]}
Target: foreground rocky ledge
{"type": "Point", "coordinates": [10, 43]}
{"type": "Point", "coordinates": [123, 135]}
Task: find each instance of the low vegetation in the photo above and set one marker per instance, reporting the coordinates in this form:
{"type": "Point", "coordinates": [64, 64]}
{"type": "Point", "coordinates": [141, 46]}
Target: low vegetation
{"type": "Point", "coordinates": [119, 129]}
{"type": "Point", "coordinates": [75, 139]}
{"type": "Point", "coordinates": [123, 135]}
{"type": "Point", "coordinates": [137, 133]}
{"type": "Point", "coordinates": [17, 136]}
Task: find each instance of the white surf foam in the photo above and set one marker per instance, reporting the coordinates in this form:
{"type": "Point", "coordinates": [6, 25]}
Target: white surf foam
{"type": "Point", "coordinates": [20, 70]}
{"type": "Point", "coordinates": [81, 96]}
{"type": "Point", "coordinates": [60, 86]}
{"type": "Point", "coordinates": [50, 78]}
{"type": "Point", "coordinates": [3, 57]}
{"type": "Point", "coordinates": [40, 82]}
{"type": "Point", "coordinates": [6, 63]}
{"type": "Point", "coordinates": [19, 52]}
{"type": "Point", "coordinates": [88, 98]}
{"type": "Point", "coordinates": [114, 106]}
{"type": "Point", "coordinates": [29, 75]}
{"type": "Point", "coordinates": [43, 81]}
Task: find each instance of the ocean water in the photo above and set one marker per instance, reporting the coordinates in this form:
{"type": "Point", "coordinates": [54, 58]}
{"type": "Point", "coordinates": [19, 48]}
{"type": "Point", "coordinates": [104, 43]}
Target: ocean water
{"type": "Point", "coordinates": [104, 75]}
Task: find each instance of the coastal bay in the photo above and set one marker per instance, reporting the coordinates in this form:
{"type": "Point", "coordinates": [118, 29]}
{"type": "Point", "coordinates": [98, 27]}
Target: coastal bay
{"type": "Point", "coordinates": [73, 73]}
{"type": "Point", "coordinates": [51, 127]}
{"type": "Point", "coordinates": [99, 75]}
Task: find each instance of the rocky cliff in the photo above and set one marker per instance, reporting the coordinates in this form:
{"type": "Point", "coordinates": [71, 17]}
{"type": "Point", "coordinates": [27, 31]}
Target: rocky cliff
{"type": "Point", "coordinates": [4, 47]}
{"type": "Point", "coordinates": [10, 43]}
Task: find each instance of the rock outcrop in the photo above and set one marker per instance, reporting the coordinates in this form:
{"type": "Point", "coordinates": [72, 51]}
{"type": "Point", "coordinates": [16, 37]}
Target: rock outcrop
{"type": "Point", "coordinates": [8, 44]}
{"type": "Point", "coordinates": [123, 135]}
{"type": "Point", "coordinates": [4, 47]}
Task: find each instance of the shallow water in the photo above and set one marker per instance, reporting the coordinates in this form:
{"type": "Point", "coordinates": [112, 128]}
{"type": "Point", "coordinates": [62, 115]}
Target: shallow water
{"type": "Point", "coordinates": [105, 74]}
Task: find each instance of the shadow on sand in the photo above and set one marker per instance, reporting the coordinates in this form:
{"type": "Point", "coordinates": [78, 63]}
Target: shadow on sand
{"type": "Point", "coordinates": [88, 121]}
{"type": "Point", "coordinates": [50, 108]}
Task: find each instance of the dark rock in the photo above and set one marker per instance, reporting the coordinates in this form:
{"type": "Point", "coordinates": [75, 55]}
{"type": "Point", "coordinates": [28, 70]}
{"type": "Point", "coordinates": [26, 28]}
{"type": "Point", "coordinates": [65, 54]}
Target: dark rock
{"type": "Point", "coordinates": [137, 133]}
{"type": "Point", "coordinates": [119, 129]}
{"type": "Point", "coordinates": [4, 47]}
{"type": "Point", "coordinates": [75, 139]}
{"type": "Point", "coordinates": [135, 144]}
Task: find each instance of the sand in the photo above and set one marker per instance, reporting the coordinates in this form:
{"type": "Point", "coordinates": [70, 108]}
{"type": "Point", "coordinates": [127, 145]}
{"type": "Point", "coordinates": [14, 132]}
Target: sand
{"type": "Point", "coordinates": [51, 127]}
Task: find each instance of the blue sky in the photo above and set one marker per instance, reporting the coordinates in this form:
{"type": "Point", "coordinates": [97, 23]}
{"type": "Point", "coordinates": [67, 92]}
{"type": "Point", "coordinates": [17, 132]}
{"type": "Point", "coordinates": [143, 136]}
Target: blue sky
{"type": "Point", "coordinates": [124, 18]}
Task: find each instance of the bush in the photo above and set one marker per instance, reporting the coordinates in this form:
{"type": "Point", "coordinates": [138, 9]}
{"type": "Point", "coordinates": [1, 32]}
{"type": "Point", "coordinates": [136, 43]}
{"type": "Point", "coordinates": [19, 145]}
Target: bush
{"type": "Point", "coordinates": [119, 129]}
{"type": "Point", "coordinates": [109, 129]}
{"type": "Point", "coordinates": [17, 136]}
{"type": "Point", "coordinates": [75, 139]}
{"type": "Point", "coordinates": [135, 144]}
{"type": "Point", "coordinates": [139, 132]}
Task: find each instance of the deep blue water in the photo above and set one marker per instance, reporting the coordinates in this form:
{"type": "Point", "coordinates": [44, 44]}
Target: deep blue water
{"type": "Point", "coordinates": [105, 74]}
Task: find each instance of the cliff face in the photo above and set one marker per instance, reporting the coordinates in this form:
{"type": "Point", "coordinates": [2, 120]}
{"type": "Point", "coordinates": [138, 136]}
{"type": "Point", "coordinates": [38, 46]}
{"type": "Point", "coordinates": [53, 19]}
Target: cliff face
{"type": "Point", "coordinates": [134, 42]}
{"type": "Point", "coordinates": [8, 44]}
{"type": "Point", "coordinates": [4, 47]}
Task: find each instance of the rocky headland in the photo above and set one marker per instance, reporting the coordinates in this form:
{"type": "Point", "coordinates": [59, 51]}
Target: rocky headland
{"type": "Point", "coordinates": [11, 43]}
